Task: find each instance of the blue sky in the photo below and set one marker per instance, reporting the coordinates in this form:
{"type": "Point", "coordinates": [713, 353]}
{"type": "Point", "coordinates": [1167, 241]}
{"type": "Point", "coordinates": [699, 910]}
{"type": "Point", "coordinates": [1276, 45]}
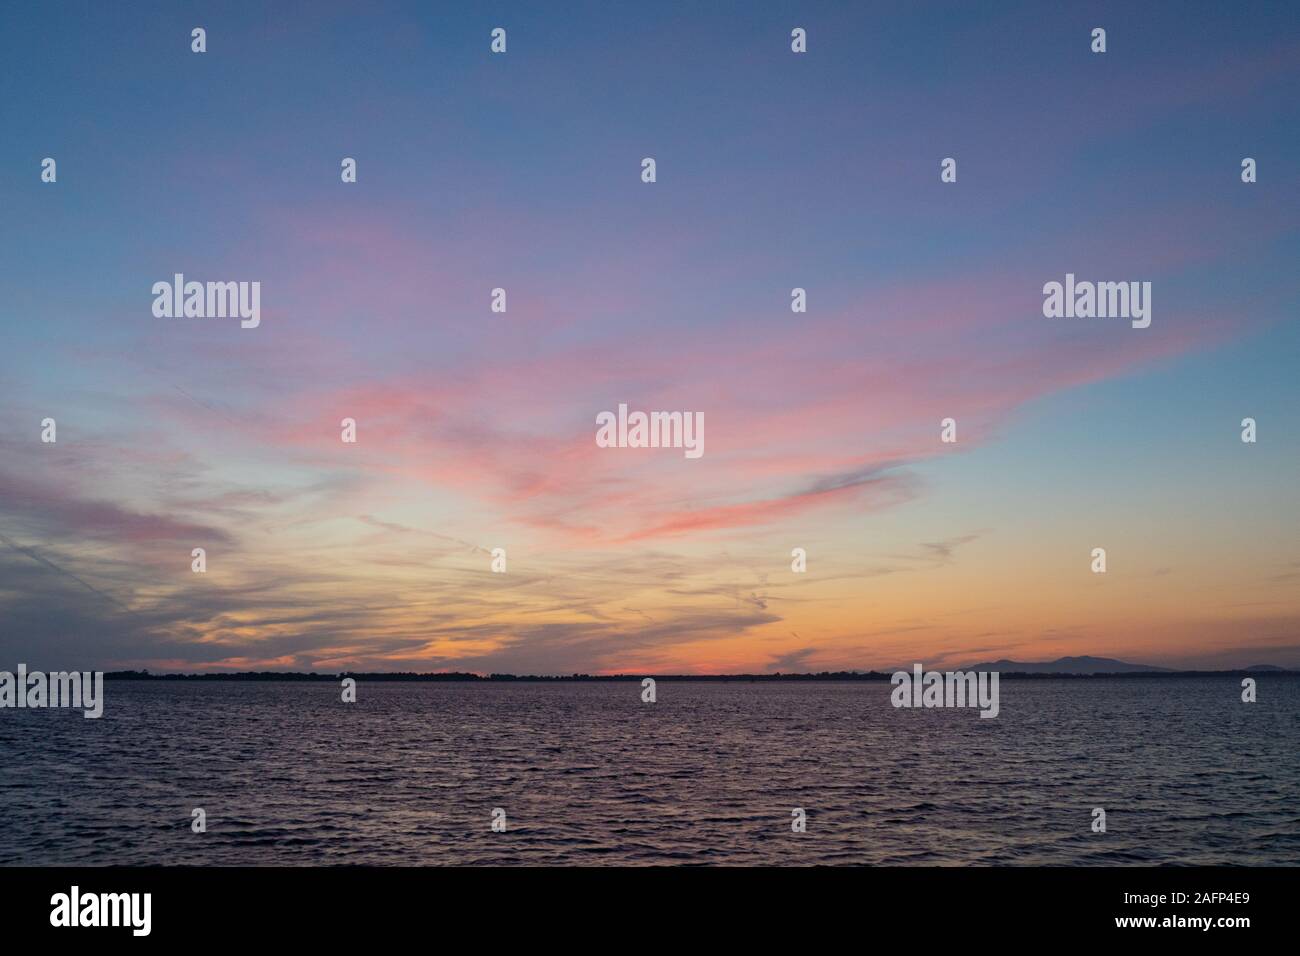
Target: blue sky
{"type": "Point", "coordinates": [521, 171]}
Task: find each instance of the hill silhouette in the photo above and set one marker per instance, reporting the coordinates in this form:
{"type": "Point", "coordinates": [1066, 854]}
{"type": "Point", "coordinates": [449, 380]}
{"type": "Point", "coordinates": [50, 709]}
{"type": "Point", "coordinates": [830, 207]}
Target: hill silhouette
{"type": "Point", "coordinates": [1068, 665]}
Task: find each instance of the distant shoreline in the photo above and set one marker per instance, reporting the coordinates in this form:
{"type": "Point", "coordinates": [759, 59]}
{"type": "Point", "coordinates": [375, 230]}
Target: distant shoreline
{"type": "Point", "coordinates": [462, 677]}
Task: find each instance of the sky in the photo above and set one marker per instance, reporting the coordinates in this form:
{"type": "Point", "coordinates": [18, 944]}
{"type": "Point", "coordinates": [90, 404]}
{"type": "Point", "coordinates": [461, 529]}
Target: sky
{"type": "Point", "coordinates": [476, 429]}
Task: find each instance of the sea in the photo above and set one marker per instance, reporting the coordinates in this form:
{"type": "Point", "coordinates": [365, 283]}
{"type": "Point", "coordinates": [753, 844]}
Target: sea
{"type": "Point", "coordinates": [734, 773]}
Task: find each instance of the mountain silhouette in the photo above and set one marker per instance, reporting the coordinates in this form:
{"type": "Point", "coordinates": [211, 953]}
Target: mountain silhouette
{"type": "Point", "coordinates": [1065, 665]}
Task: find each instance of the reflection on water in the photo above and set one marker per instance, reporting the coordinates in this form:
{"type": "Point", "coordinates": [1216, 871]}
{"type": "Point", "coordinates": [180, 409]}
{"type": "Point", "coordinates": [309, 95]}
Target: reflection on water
{"type": "Point", "coordinates": [587, 773]}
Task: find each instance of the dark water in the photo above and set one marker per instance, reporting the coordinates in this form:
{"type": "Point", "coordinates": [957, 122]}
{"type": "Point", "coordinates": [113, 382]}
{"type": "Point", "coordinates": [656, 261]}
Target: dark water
{"type": "Point", "coordinates": [709, 774]}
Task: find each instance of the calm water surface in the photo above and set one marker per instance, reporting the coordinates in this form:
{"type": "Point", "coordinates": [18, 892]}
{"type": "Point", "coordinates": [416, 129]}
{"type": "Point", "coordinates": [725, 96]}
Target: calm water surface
{"type": "Point", "coordinates": [709, 774]}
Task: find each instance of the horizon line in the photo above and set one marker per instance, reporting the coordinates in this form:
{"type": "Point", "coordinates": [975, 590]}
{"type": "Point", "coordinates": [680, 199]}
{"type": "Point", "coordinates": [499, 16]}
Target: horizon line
{"type": "Point", "coordinates": [471, 677]}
